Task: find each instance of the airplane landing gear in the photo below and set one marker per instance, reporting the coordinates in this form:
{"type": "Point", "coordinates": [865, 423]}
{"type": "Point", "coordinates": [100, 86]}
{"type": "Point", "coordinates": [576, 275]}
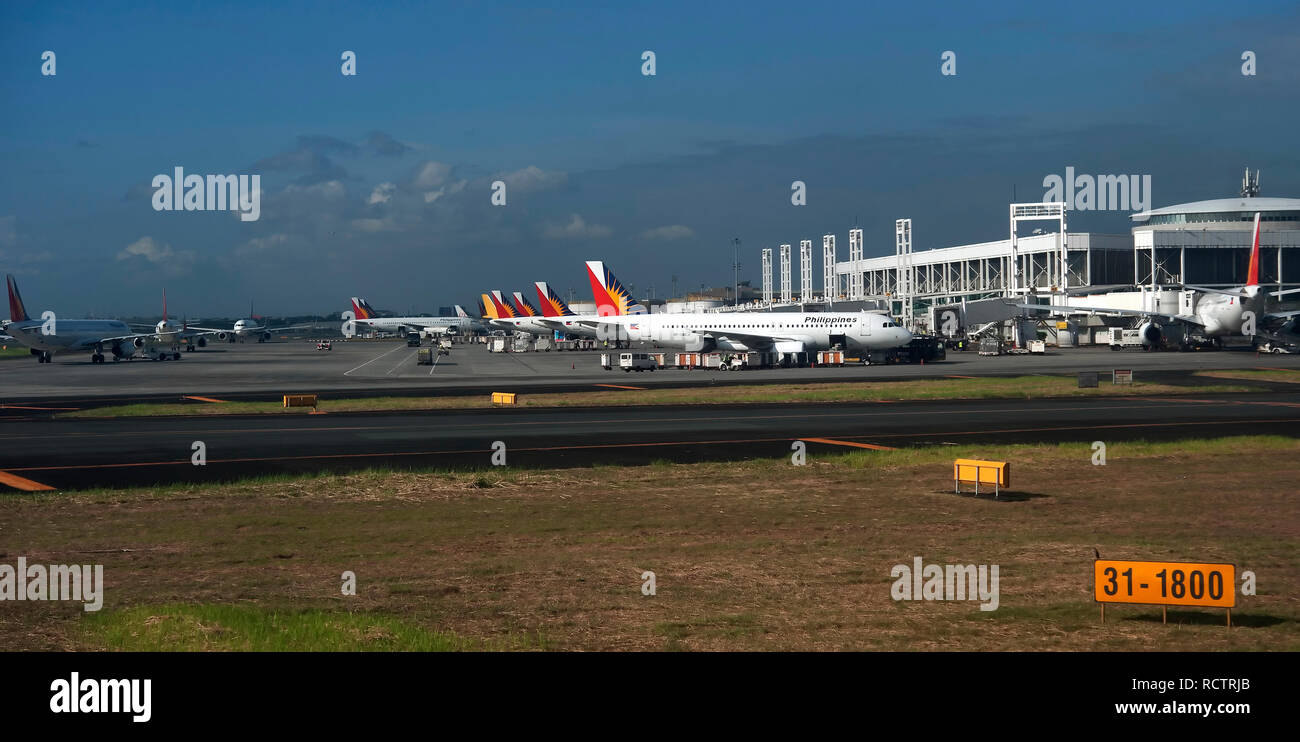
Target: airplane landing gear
{"type": "Point", "coordinates": [97, 358]}
{"type": "Point", "coordinates": [44, 357]}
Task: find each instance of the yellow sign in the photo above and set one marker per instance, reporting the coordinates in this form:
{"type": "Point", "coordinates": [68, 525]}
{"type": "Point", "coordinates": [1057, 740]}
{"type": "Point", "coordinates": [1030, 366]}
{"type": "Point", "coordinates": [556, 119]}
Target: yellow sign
{"type": "Point", "coordinates": [503, 398]}
{"type": "Point", "coordinates": [300, 400]}
{"type": "Point", "coordinates": [1165, 583]}
{"type": "Point", "coordinates": [983, 472]}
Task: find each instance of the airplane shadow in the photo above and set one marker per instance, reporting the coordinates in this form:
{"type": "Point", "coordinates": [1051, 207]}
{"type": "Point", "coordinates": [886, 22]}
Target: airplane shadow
{"type": "Point", "coordinates": [1003, 496]}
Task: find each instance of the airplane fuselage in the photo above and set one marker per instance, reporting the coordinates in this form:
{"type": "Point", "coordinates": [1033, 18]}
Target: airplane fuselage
{"type": "Point", "coordinates": [779, 331]}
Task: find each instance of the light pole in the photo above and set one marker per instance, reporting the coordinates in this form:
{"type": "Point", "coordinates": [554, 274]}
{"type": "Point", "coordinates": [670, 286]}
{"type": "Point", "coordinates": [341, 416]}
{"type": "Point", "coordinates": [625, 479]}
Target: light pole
{"type": "Point", "coordinates": [735, 271]}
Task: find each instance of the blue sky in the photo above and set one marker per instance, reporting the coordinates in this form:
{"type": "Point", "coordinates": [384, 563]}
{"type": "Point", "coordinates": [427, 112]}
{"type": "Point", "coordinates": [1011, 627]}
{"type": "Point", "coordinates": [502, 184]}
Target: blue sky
{"type": "Point", "coordinates": [379, 184]}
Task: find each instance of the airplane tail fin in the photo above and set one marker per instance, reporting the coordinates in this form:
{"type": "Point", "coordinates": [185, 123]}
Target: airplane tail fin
{"type": "Point", "coordinates": [503, 309]}
{"type": "Point", "coordinates": [524, 308]}
{"type": "Point", "coordinates": [552, 304]}
{"type": "Point", "coordinates": [360, 309]}
{"type": "Point", "coordinates": [17, 311]}
{"type": "Point", "coordinates": [460, 312]}
{"type": "Point", "coordinates": [611, 297]}
{"type": "Point", "coordinates": [485, 308]}
{"type": "Point", "coordinates": [1252, 273]}
{"type": "Point", "coordinates": [164, 305]}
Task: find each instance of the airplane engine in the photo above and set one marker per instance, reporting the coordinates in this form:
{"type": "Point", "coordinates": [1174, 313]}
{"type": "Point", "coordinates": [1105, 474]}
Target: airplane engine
{"type": "Point", "coordinates": [223, 335]}
{"type": "Point", "coordinates": [697, 343]}
{"type": "Point", "coordinates": [266, 336]}
{"type": "Point", "coordinates": [127, 348]}
{"type": "Point", "coordinates": [202, 342]}
{"type": "Point", "coordinates": [1150, 333]}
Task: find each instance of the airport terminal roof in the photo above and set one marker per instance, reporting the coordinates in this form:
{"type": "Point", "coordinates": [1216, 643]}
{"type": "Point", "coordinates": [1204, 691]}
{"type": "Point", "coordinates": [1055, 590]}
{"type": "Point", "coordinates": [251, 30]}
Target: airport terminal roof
{"type": "Point", "coordinates": [1222, 205]}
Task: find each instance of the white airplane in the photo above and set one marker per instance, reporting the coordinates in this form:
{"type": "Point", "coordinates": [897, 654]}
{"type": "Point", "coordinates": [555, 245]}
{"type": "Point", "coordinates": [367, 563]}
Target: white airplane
{"type": "Point", "coordinates": [177, 334]}
{"type": "Point", "coordinates": [49, 336]}
{"type": "Point", "coordinates": [1218, 313]}
{"type": "Point", "coordinates": [364, 314]}
{"type": "Point", "coordinates": [246, 328]}
{"type": "Point", "coordinates": [610, 297]}
{"type": "Point", "coordinates": [781, 332]}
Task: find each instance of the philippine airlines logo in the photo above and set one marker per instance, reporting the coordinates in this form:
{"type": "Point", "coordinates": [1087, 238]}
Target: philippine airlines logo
{"type": "Point", "coordinates": [635, 326]}
{"type": "Point", "coordinates": [181, 192]}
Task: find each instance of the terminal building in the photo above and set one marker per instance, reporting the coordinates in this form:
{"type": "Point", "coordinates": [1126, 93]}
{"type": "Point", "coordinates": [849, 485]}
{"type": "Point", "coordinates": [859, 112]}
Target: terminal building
{"type": "Point", "coordinates": [1204, 243]}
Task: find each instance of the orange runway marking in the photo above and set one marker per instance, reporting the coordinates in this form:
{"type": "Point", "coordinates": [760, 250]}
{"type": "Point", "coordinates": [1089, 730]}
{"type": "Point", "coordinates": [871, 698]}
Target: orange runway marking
{"type": "Point", "coordinates": [203, 399]}
{"type": "Point", "coordinates": [616, 386]}
{"type": "Point", "coordinates": [26, 485]}
{"type": "Point", "coordinates": [20, 407]}
{"type": "Point", "coordinates": [872, 446]}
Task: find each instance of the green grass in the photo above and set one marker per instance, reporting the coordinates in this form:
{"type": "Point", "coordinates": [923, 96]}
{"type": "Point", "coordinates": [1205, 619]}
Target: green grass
{"type": "Point", "coordinates": [751, 555]}
{"type": "Point", "coordinates": [229, 628]}
{"type": "Point", "coordinates": [1261, 374]}
{"type": "Point", "coordinates": [14, 350]}
{"type": "Point", "coordinates": [1018, 387]}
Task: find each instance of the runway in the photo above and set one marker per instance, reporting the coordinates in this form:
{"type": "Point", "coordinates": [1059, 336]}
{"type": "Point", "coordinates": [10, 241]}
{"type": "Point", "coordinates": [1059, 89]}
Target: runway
{"type": "Point", "coordinates": [361, 368]}
{"type": "Point", "coordinates": [80, 453]}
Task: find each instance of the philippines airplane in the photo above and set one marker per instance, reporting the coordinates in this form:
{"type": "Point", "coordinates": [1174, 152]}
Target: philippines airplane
{"type": "Point", "coordinates": [46, 337]}
{"type": "Point", "coordinates": [364, 314]}
{"type": "Point", "coordinates": [1217, 313]}
{"type": "Point", "coordinates": [557, 315]}
{"type": "Point", "coordinates": [175, 334]}
{"type": "Point", "coordinates": [243, 329]}
{"type": "Point", "coordinates": [781, 332]}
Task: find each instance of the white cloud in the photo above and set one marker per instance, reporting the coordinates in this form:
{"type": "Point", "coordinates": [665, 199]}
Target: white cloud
{"type": "Point", "coordinates": [531, 178]}
{"type": "Point", "coordinates": [577, 228]}
{"type": "Point", "coordinates": [382, 193]}
{"type": "Point", "coordinates": [262, 243]}
{"type": "Point", "coordinates": [8, 232]}
{"type": "Point", "coordinates": [147, 248]}
{"type": "Point", "coordinates": [432, 174]}
{"type": "Point", "coordinates": [670, 232]}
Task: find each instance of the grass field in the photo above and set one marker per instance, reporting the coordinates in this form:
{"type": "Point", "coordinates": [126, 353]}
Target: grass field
{"type": "Point", "coordinates": [761, 555]}
{"type": "Point", "coordinates": [1018, 387]}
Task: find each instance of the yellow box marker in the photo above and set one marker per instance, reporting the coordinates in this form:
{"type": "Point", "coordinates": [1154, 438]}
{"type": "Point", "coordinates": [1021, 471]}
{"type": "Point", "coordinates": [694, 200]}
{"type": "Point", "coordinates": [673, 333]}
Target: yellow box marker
{"type": "Point", "coordinates": [300, 400]}
{"type": "Point", "coordinates": [977, 472]}
{"type": "Point", "coordinates": [505, 398]}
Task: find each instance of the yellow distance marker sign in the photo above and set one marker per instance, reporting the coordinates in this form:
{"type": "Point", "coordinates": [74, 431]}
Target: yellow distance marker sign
{"type": "Point", "coordinates": [1165, 583]}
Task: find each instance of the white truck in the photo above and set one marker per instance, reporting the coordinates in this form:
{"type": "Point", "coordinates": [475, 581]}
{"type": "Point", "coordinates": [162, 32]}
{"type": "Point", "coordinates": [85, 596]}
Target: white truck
{"type": "Point", "coordinates": [1121, 339]}
{"type": "Point", "coordinates": [636, 362]}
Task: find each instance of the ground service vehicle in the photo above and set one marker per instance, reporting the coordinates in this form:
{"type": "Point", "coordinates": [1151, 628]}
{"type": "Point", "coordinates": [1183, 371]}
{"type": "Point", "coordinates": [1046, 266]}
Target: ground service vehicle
{"type": "Point", "coordinates": [636, 362]}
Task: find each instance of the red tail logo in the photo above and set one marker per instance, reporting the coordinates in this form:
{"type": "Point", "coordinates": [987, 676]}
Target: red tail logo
{"type": "Point", "coordinates": [17, 312]}
{"type": "Point", "coordinates": [1252, 273]}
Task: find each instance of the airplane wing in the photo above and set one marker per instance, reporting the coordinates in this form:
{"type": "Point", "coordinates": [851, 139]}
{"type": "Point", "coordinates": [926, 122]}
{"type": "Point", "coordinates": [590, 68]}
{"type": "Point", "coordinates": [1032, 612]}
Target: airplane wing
{"type": "Point", "coordinates": [1066, 308]}
{"type": "Point", "coordinates": [1281, 315]}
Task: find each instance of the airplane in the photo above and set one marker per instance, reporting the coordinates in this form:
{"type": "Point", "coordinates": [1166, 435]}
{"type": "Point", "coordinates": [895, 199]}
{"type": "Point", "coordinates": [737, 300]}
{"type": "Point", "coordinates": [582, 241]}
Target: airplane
{"type": "Point", "coordinates": [179, 332]}
{"type": "Point", "coordinates": [780, 332]}
{"type": "Point", "coordinates": [1217, 313]}
{"type": "Point", "coordinates": [250, 326]}
{"type": "Point", "coordinates": [69, 335]}
{"type": "Point", "coordinates": [364, 314]}
{"type": "Point", "coordinates": [557, 315]}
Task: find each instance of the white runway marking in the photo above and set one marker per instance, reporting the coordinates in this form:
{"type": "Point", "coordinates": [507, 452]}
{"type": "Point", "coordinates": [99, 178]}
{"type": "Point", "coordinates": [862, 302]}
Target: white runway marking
{"type": "Point", "coordinates": [401, 362]}
{"type": "Point", "coordinates": [376, 358]}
